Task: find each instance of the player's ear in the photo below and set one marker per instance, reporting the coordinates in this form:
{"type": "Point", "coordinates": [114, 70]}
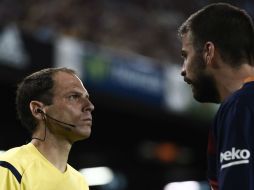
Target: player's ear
{"type": "Point", "coordinates": [208, 53]}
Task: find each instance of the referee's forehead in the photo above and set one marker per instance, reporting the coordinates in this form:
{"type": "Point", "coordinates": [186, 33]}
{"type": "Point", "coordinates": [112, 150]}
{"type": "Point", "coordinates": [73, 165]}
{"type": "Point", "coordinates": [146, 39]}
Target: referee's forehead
{"type": "Point", "coordinates": [67, 82]}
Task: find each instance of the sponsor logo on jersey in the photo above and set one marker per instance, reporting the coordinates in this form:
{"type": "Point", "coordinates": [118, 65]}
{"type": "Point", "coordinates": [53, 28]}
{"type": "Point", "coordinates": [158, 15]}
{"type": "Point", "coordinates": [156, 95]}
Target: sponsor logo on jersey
{"type": "Point", "coordinates": [234, 157]}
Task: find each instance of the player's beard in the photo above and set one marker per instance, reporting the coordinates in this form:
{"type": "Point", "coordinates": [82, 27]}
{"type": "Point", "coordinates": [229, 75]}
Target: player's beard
{"type": "Point", "coordinates": [204, 86]}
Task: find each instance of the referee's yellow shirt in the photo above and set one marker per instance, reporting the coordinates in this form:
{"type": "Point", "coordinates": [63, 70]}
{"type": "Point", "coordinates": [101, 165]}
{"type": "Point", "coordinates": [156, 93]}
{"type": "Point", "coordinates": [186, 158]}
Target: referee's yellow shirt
{"type": "Point", "coordinates": [25, 168]}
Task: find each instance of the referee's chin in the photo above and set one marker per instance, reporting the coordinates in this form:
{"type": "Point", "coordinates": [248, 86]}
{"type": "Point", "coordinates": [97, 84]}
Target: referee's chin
{"type": "Point", "coordinates": [82, 133]}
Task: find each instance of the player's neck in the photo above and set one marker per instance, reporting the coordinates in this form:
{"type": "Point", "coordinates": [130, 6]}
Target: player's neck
{"type": "Point", "coordinates": [229, 79]}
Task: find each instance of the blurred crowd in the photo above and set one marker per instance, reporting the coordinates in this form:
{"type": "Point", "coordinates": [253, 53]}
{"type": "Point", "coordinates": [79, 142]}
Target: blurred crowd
{"type": "Point", "coordinates": [147, 27]}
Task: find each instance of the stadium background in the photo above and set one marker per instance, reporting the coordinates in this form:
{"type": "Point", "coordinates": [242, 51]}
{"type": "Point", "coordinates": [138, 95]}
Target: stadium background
{"type": "Point", "coordinates": [147, 128]}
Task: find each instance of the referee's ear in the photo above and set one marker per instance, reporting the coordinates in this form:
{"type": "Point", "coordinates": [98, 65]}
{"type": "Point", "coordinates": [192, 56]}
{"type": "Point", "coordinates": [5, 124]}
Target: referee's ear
{"type": "Point", "coordinates": [34, 107]}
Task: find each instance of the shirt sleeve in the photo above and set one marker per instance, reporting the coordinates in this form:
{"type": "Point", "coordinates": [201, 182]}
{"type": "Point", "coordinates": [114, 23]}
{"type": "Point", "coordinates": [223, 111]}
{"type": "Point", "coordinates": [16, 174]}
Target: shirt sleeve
{"type": "Point", "coordinates": [8, 180]}
{"type": "Point", "coordinates": [235, 147]}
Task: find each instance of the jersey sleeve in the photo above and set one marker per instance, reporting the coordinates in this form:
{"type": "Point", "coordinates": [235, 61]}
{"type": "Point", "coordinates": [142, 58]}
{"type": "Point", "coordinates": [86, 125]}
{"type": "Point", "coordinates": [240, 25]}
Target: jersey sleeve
{"type": "Point", "coordinates": [9, 177]}
{"type": "Point", "coordinates": [235, 147]}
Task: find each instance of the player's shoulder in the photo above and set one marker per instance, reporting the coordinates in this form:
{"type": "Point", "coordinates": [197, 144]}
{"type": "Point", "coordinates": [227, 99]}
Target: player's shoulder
{"type": "Point", "coordinates": [242, 97]}
{"type": "Point", "coordinates": [246, 93]}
